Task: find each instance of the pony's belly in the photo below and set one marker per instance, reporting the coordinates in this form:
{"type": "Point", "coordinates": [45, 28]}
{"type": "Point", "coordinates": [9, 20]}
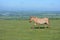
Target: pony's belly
{"type": "Point", "coordinates": [41, 22]}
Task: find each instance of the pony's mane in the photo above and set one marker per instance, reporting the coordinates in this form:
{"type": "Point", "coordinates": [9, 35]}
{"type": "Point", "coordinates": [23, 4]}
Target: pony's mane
{"type": "Point", "coordinates": [33, 17]}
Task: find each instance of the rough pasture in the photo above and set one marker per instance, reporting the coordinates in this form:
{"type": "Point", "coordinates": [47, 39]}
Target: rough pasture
{"type": "Point", "coordinates": [21, 30]}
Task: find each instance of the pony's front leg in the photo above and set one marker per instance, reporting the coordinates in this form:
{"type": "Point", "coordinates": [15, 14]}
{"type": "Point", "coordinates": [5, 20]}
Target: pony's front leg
{"type": "Point", "coordinates": [39, 26]}
{"type": "Point", "coordinates": [33, 26]}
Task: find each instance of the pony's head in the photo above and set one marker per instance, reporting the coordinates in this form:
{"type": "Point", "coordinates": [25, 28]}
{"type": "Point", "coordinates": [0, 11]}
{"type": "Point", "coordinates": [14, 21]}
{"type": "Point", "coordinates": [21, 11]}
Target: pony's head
{"type": "Point", "coordinates": [31, 18]}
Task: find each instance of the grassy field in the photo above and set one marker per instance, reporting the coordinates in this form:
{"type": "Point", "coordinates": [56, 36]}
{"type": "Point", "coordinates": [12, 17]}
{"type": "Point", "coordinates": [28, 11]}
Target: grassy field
{"type": "Point", "coordinates": [21, 30]}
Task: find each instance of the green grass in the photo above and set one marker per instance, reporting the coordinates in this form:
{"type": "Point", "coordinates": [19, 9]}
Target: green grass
{"type": "Point", "coordinates": [21, 30]}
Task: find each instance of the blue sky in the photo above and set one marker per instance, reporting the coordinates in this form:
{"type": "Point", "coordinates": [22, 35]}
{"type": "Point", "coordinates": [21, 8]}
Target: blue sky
{"type": "Point", "coordinates": [42, 5]}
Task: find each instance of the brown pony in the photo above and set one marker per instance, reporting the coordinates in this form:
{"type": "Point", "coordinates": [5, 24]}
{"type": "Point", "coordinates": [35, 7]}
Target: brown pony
{"type": "Point", "coordinates": [39, 20]}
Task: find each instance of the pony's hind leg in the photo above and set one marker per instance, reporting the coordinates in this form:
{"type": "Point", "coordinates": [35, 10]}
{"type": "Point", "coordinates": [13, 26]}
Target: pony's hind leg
{"type": "Point", "coordinates": [45, 25]}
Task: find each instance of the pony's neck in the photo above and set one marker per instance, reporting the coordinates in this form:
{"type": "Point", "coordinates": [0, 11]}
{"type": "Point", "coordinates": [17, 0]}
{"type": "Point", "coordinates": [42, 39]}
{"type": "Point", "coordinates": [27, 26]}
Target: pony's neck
{"type": "Point", "coordinates": [35, 19]}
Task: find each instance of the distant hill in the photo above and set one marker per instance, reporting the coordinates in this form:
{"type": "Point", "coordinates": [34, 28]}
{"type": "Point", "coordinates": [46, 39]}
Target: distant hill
{"type": "Point", "coordinates": [28, 13]}
{"type": "Point", "coordinates": [25, 14]}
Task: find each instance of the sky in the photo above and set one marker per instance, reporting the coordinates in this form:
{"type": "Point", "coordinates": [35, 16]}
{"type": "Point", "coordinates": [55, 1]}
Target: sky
{"type": "Point", "coordinates": [41, 5]}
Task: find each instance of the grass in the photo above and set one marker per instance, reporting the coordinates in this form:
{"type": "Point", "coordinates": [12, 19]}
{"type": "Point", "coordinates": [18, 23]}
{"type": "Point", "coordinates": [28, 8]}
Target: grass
{"type": "Point", "coordinates": [21, 30]}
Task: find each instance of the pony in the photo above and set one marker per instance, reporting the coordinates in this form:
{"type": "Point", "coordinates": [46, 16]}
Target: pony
{"type": "Point", "coordinates": [39, 21]}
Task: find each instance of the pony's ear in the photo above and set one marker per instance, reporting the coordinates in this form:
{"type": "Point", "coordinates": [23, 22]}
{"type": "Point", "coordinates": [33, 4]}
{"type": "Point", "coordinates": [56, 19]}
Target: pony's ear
{"type": "Point", "coordinates": [34, 17]}
{"type": "Point", "coordinates": [31, 16]}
